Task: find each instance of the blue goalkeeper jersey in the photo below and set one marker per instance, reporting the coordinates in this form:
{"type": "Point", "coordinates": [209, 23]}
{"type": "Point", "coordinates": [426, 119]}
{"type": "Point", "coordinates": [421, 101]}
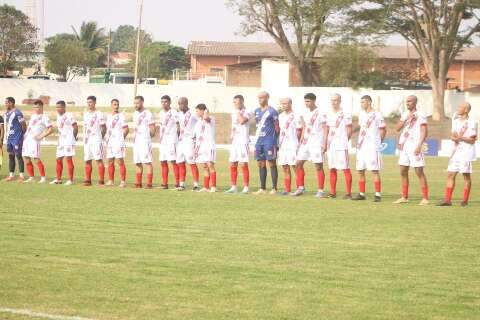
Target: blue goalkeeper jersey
{"type": "Point", "coordinates": [13, 120]}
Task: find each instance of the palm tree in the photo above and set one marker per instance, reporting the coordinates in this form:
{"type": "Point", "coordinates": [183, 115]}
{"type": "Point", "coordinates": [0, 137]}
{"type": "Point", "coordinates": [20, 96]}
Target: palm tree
{"type": "Point", "coordinates": [93, 39]}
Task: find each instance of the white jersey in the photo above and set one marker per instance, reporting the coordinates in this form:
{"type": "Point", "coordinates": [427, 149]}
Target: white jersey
{"type": "Point", "coordinates": [187, 121]}
{"type": "Point", "coordinates": [240, 134]}
{"type": "Point", "coordinates": [313, 125]}
{"type": "Point", "coordinates": [65, 123]}
{"type": "Point", "coordinates": [142, 122]}
{"type": "Point", "coordinates": [205, 134]}
{"type": "Point", "coordinates": [92, 127]}
{"type": "Point", "coordinates": [369, 137]}
{"type": "Point", "coordinates": [411, 132]}
{"type": "Point", "coordinates": [37, 125]}
{"type": "Point", "coordinates": [115, 125]}
{"type": "Point", "coordinates": [337, 123]}
{"type": "Point", "coordinates": [464, 128]}
{"type": "Point", "coordinates": [289, 123]}
{"type": "Point", "coordinates": [168, 126]}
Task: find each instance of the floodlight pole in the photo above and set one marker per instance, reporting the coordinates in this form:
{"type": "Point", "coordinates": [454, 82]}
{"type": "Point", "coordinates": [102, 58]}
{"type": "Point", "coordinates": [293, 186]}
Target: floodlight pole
{"type": "Point", "coordinates": [135, 88]}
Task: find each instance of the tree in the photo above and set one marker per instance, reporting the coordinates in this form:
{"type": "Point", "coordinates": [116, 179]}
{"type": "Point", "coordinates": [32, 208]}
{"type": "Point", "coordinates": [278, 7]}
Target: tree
{"type": "Point", "coordinates": [18, 38]}
{"type": "Point", "coordinates": [438, 30]}
{"type": "Point", "coordinates": [93, 39]}
{"type": "Point", "coordinates": [125, 37]}
{"type": "Point", "coordinates": [307, 20]}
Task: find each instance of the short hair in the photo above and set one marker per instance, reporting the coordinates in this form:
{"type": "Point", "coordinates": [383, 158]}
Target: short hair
{"type": "Point", "coordinates": [38, 102]}
{"type": "Point", "coordinates": [367, 97]}
{"type": "Point", "coordinates": [414, 97]}
{"type": "Point", "coordinates": [115, 100]}
{"type": "Point", "coordinates": [201, 106]}
{"type": "Point", "coordinates": [61, 103]}
{"type": "Point", "coordinates": [288, 99]}
{"type": "Point", "coordinates": [140, 98]}
{"type": "Point", "coordinates": [337, 95]}
{"type": "Point", "coordinates": [93, 98]}
{"type": "Point", "coordinates": [264, 93]}
{"type": "Point", "coordinates": [310, 96]}
{"type": "Point", "coordinates": [166, 97]}
{"type": "Point", "coordinates": [239, 97]}
{"type": "Point", "coordinates": [183, 99]}
{"type": "Point", "coordinates": [10, 99]}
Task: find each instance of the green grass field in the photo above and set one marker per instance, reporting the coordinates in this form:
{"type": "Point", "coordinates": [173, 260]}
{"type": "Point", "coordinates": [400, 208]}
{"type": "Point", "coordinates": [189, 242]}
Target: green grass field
{"type": "Point", "coordinates": [108, 253]}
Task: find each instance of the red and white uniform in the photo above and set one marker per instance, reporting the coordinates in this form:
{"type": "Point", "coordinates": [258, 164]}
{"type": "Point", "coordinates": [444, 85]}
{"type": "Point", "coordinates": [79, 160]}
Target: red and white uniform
{"type": "Point", "coordinates": [168, 135]}
{"type": "Point", "coordinates": [310, 148]}
{"type": "Point", "coordinates": [240, 137]}
{"type": "Point", "coordinates": [205, 148]}
{"type": "Point", "coordinates": [37, 125]}
{"type": "Point", "coordinates": [463, 153]}
{"type": "Point", "coordinates": [409, 140]}
{"type": "Point", "coordinates": [369, 144]}
{"type": "Point", "coordinates": [66, 139]}
{"type": "Point", "coordinates": [115, 140]}
{"type": "Point", "coordinates": [288, 140]}
{"type": "Point", "coordinates": [142, 143]}
{"type": "Point", "coordinates": [186, 142]}
{"type": "Point", "coordinates": [337, 144]}
{"type": "Point", "coordinates": [92, 135]}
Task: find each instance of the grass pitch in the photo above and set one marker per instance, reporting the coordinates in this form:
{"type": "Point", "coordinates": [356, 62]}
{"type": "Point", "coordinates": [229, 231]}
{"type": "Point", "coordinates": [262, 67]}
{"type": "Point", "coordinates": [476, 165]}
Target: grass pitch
{"type": "Point", "coordinates": [108, 253]}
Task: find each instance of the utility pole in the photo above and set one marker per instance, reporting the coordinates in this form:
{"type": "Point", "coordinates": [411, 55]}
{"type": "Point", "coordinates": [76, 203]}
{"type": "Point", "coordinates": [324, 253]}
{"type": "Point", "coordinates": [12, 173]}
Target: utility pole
{"type": "Point", "coordinates": [135, 89]}
{"type": "Point", "coordinates": [109, 48]}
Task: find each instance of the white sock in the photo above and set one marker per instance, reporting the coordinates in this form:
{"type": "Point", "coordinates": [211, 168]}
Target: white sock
{"type": "Point", "coordinates": [378, 194]}
{"type": "Point", "coordinates": [11, 174]}
{"type": "Point", "coordinates": [362, 194]}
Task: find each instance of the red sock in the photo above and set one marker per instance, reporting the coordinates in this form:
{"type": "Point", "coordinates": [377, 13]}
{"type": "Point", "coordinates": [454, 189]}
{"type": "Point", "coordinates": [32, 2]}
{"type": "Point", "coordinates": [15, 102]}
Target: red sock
{"type": "Point", "coordinates": [361, 186]}
{"type": "Point", "coordinates": [176, 173]}
{"type": "Point", "coordinates": [466, 194]}
{"type": "Point", "coordinates": [111, 171]}
{"type": "Point", "coordinates": [59, 169]}
{"type": "Point", "coordinates": [300, 175]}
{"type": "Point", "coordinates": [123, 172]}
{"type": "Point", "coordinates": [333, 181]}
{"type": "Point", "coordinates": [448, 193]}
{"type": "Point", "coordinates": [138, 179]}
{"type": "Point", "coordinates": [41, 168]}
{"type": "Point", "coordinates": [30, 169]}
{"type": "Point", "coordinates": [195, 173]}
{"type": "Point", "coordinates": [233, 174]}
{"type": "Point", "coordinates": [70, 169]}
{"type": "Point", "coordinates": [288, 183]}
{"type": "Point", "coordinates": [88, 171]}
{"type": "Point", "coordinates": [246, 175]}
{"type": "Point", "coordinates": [378, 186]}
{"type": "Point", "coordinates": [149, 179]}
{"type": "Point", "coordinates": [182, 171]}
{"type": "Point", "coordinates": [164, 165]}
{"type": "Point", "coordinates": [213, 179]}
{"type": "Point", "coordinates": [348, 180]}
{"type": "Point", "coordinates": [206, 182]}
{"type": "Point", "coordinates": [101, 172]}
{"type": "Point", "coordinates": [320, 179]}
{"type": "Point", "coordinates": [405, 191]}
{"type": "Point", "coordinates": [425, 192]}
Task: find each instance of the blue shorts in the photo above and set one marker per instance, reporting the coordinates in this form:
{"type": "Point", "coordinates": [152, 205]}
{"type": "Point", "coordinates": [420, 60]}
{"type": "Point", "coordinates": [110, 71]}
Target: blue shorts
{"type": "Point", "coordinates": [265, 152]}
{"type": "Point", "coordinates": [14, 147]}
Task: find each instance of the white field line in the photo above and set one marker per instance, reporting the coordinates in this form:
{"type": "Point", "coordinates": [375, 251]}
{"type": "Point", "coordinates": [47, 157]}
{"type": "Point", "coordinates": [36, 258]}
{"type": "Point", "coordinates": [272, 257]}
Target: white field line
{"type": "Point", "coordinates": [34, 314]}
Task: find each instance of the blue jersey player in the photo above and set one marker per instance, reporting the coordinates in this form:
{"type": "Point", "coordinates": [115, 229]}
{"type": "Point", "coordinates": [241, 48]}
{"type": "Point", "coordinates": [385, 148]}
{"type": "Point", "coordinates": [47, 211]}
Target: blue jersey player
{"type": "Point", "coordinates": [267, 142]}
{"type": "Point", "coordinates": [15, 129]}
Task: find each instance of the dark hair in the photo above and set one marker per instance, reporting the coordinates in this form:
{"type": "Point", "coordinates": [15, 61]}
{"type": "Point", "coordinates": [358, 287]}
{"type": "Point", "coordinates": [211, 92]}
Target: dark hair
{"type": "Point", "coordinates": [140, 98]}
{"type": "Point", "coordinates": [10, 99]}
{"type": "Point", "coordinates": [38, 103]}
{"type": "Point", "coordinates": [310, 96]}
{"type": "Point", "coordinates": [115, 100]}
{"type": "Point", "coordinates": [239, 97]}
{"type": "Point", "coordinates": [167, 97]}
{"type": "Point", "coordinates": [62, 103]}
{"type": "Point", "coordinates": [201, 106]}
{"type": "Point", "coordinates": [93, 98]}
{"type": "Point", "coordinates": [367, 97]}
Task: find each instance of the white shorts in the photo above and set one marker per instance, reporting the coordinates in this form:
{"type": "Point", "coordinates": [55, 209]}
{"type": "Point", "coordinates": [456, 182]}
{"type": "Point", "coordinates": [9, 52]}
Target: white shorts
{"type": "Point", "coordinates": [31, 149]}
{"type": "Point", "coordinates": [115, 151]}
{"type": "Point", "coordinates": [205, 155]}
{"type": "Point", "coordinates": [287, 157]}
{"type": "Point", "coordinates": [168, 152]}
{"type": "Point", "coordinates": [93, 151]}
{"type": "Point", "coordinates": [239, 153]}
{"type": "Point", "coordinates": [456, 165]}
{"type": "Point", "coordinates": [338, 159]}
{"type": "Point", "coordinates": [370, 160]}
{"type": "Point", "coordinates": [142, 152]}
{"type": "Point", "coordinates": [186, 152]}
{"type": "Point", "coordinates": [310, 151]}
{"type": "Point", "coordinates": [410, 159]}
{"type": "Point", "coordinates": [65, 151]}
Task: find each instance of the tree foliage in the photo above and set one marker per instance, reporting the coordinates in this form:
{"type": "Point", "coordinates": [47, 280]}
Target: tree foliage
{"type": "Point", "coordinates": [125, 37]}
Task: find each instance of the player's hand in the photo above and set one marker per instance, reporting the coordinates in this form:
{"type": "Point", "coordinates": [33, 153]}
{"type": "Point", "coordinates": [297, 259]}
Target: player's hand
{"type": "Point", "coordinates": [39, 137]}
{"type": "Point", "coordinates": [418, 150]}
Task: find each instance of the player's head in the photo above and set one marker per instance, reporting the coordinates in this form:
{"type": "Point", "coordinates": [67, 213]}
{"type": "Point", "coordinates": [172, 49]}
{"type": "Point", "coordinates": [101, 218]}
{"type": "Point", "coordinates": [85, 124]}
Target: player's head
{"type": "Point", "coordinates": [463, 109]}
{"type": "Point", "coordinates": [263, 98]}
{"type": "Point", "coordinates": [115, 103]}
{"type": "Point", "coordinates": [286, 104]}
{"type": "Point", "coordinates": [61, 107]}
{"type": "Point", "coordinates": [166, 101]}
{"type": "Point", "coordinates": [38, 106]}
{"type": "Point", "coordinates": [138, 102]}
{"type": "Point", "coordinates": [336, 100]}
{"type": "Point", "coordinates": [310, 100]}
{"type": "Point", "coordinates": [200, 109]}
{"type": "Point", "coordinates": [412, 102]}
{"type": "Point", "coordinates": [10, 103]}
{"type": "Point", "coordinates": [91, 102]}
{"type": "Point", "coordinates": [366, 102]}
{"type": "Point", "coordinates": [183, 104]}
{"type": "Point", "coordinates": [238, 101]}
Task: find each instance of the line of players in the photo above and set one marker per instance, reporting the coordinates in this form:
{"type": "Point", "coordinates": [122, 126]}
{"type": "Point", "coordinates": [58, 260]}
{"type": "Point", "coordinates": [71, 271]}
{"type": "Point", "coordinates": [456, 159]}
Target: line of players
{"type": "Point", "coordinates": [288, 139]}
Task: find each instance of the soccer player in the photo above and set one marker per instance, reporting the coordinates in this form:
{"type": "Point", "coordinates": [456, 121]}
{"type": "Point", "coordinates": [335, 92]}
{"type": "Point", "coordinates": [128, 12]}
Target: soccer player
{"type": "Point", "coordinates": [169, 131]}
{"type": "Point", "coordinates": [239, 144]}
{"type": "Point", "coordinates": [339, 133]}
{"type": "Point", "coordinates": [413, 128]}
{"type": "Point", "coordinates": [142, 145]}
{"type": "Point", "coordinates": [15, 128]}
{"type": "Point", "coordinates": [266, 145]}
{"type": "Point", "coordinates": [290, 133]}
{"type": "Point", "coordinates": [464, 135]}
{"type": "Point", "coordinates": [67, 136]}
{"type": "Point", "coordinates": [369, 144]}
{"type": "Point", "coordinates": [117, 131]}
{"type": "Point", "coordinates": [313, 145]}
{"type": "Point", "coordinates": [186, 144]}
{"type": "Point", "coordinates": [94, 129]}
{"type": "Point", "coordinates": [39, 127]}
{"type": "Point", "coordinates": [205, 149]}
{"type": "Point", "coordinates": [2, 124]}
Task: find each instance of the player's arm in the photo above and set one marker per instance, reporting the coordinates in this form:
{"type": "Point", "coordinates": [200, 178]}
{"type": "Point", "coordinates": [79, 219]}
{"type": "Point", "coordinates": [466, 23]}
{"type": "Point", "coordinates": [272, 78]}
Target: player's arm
{"type": "Point", "coordinates": [24, 125]}
{"type": "Point", "coordinates": [75, 130]}
{"type": "Point", "coordinates": [103, 127]}
{"type": "Point", "coordinates": [126, 130]}
{"type": "Point", "coordinates": [383, 133]}
{"type": "Point", "coordinates": [153, 129]}
{"type": "Point", "coordinates": [45, 133]}
{"type": "Point", "coordinates": [277, 127]}
{"type": "Point", "coordinates": [423, 138]}
{"type": "Point", "coordinates": [325, 137]}
{"type": "Point", "coordinates": [2, 132]}
{"type": "Point", "coordinates": [469, 140]}
{"type": "Point", "coordinates": [206, 116]}
{"type": "Point", "coordinates": [349, 131]}
{"type": "Point", "coordinates": [242, 119]}
{"type": "Point", "coordinates": [178, 129]}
